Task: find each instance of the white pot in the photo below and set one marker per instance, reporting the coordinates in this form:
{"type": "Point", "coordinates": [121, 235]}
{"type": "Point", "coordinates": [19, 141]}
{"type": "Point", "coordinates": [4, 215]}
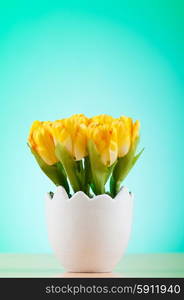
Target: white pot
{"type": "Point", "coordinates": [89, 235]}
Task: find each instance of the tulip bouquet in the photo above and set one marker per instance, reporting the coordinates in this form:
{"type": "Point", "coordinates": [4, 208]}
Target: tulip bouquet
{"type": "Point", "coordinates": [85, 153]}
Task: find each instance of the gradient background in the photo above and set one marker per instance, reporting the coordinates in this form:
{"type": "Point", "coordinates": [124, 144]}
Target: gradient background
{"type": "Point", "coordinates": [58, 58]}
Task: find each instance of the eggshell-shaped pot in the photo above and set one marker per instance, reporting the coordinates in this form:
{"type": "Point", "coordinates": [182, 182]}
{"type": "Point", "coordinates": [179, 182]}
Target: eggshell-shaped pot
{"type": "Point", "coordinates": [89, 234]}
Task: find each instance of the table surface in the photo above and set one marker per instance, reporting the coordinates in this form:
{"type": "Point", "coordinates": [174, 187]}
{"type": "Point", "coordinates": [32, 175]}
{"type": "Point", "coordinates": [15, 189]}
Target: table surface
{"type": "Point", "coordinates": [131, 265]}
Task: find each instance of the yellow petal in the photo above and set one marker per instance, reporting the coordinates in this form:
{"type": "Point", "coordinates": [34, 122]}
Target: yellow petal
{"type": "Point", "coordinates": [101, 119]}
{"type": "Point", "coordinates": [135, 130]}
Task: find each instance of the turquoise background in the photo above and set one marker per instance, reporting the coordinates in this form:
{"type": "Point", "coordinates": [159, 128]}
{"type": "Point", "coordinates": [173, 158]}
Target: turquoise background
{"type": "Point", "coordinates": [58, 58]}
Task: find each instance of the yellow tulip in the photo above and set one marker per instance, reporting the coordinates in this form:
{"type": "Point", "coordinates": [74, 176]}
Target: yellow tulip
{"type": "Point", "coordinates": [72, 133]}
{"type": "Point", "coordinates": [127, 132]}
{"type": "Point", "coordinates": [41, 141]}
{"type": "Point", "coordinates": [123, 127]}
{"type": "Point", "coordinates": [104, 136]}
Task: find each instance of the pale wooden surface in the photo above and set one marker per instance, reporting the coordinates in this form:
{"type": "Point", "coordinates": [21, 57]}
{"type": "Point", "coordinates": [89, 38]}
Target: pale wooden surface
{"type": "Point", "coordinates": [132, 265]}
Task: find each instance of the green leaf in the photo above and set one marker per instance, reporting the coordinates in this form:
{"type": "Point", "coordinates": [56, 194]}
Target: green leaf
{"type": "Point", "coordinates": [99, 172]}
{"type": "Point", "coordinates": [123, 167]}
{"type": "Point", "coordinates": [120, 172]}
{"type": "Point", "coordinates": [55, 172]}
{"type": "Point", "coordinates": [63, 177]}
{"type": "Point", "coordinates": [136, 157]}
{"type": "Point", "coordinates": [71, 167]}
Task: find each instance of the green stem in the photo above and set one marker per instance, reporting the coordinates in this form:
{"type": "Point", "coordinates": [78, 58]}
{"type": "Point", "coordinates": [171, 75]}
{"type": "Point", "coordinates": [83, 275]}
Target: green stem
{"type": "Point", "coordinates": [87, 176]}
{"type": "Point", "coordinates": [114, 186]}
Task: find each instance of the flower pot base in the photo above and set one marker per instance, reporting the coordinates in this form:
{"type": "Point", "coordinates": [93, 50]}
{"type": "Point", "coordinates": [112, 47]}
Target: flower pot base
{"type": "Point", "coordinates": [89, 235]}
